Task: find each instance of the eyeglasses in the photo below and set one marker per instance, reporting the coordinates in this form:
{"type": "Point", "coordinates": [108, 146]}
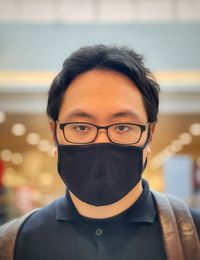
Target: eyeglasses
{"type": "Point", "coordinates": [85, 133]}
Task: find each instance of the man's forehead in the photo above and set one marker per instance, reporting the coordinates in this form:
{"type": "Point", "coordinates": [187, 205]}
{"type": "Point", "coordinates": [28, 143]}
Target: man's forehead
{"type": "Point", "coordinates": [102, 96]}
{"type": "Point", "coordinates": [106, 83]}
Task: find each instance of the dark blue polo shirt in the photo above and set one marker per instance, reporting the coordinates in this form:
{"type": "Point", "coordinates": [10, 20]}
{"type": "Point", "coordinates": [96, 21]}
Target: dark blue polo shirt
{"type": "Point", "coordinates": [59, 232]}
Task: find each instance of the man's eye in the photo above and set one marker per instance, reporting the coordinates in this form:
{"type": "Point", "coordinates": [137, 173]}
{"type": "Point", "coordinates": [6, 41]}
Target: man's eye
{"type": "Point", "coordinates": [122, 128]}
{"type": "Point", "coordinates": [81, 128]}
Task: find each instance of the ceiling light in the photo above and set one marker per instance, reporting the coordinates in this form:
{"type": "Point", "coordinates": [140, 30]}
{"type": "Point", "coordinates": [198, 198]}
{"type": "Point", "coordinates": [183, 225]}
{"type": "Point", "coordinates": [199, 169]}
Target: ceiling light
{"type": "Point", "coordinates": [6, 155]}
{"type": "Point", "coordinates": [195, 129]}
{"type": "Point", "coordinates": [2, 117]}
{"type": "Point", "coordinates": [167, 151]}
{"type": "Point", "coordinates": [33, 138]}
{"type": "Point", "coordinates": [185, 138]}
{"type": "Point", "coordinates": [18, 129]}
{"type": "Point", "coordinates": [17, 158]}
{"type": "Point", "coordinates": [176, 146]}
{"type": "Point", "coordinates": [155, 163]}
{"type": "Point", "coordinates": [52, 151]}
{"type": "Point", "coordinates": [44, 145]}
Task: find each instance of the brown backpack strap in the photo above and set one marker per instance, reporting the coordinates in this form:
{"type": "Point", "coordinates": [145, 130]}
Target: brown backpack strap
{"type": "Point", "coordinates": [187, 229]}
{"type": "Point", "coordinates": [8, 235]}
{"type": "Point", "coordinates": [172, 242]}
{"type": "Point", "coordinates": [179, 232]}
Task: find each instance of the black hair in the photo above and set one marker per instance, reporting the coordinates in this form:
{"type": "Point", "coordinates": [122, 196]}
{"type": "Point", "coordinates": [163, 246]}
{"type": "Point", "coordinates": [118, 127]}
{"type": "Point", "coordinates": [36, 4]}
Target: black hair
{"type": "Point", "coordinates": [120, 59]}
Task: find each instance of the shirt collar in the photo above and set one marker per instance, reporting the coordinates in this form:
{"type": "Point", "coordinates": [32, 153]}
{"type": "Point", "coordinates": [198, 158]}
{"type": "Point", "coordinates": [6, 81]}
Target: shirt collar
{"type": "Point", "coordinates": [143, 210]}
{"type": "Point", "coordinates": [65, 209]}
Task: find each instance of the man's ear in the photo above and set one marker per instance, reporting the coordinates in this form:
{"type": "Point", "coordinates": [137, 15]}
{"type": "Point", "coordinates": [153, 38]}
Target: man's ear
{"type": "Point", "coordinates": [152, 130]}
{"type": "Point", "coordinates": [52, 127]}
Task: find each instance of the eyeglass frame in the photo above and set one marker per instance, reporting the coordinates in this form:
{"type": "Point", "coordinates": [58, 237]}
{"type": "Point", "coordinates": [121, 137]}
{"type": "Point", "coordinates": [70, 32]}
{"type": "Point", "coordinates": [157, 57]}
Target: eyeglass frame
{"type": "Point", "coordinates": [142, 127]}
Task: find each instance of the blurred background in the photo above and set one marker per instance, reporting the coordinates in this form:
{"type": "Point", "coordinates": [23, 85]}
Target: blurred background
{"type": "Point", "coordinates": [35, 38]}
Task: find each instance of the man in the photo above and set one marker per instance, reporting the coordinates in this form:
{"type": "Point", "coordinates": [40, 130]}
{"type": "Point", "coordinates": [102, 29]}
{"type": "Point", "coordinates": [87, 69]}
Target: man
{"type": "Point", "coordinates": [103, 109]}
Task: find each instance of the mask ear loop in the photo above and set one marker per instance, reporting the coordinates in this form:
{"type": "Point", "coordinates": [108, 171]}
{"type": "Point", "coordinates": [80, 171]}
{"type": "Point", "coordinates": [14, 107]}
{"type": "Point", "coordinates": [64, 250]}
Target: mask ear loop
{"type": "Point", "coordinates": [145, 164]}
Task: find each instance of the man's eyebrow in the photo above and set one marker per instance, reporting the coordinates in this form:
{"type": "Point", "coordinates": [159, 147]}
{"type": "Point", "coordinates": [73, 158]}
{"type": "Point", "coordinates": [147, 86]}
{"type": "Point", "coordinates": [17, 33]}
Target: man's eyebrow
{"type": "Point", "coordinates": [126, 113]}
{"type": "Point", "coordinates": [79, 113]}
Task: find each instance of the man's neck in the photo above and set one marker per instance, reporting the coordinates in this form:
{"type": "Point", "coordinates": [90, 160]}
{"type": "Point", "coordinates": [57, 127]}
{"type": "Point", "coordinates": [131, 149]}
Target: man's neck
{"type": "Point", "coordinates": [101, 212]}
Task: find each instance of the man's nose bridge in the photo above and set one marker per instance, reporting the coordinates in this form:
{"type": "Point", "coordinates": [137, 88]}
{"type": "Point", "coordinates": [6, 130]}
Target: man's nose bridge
{"type": "Point", "coordinates": [102, 136]}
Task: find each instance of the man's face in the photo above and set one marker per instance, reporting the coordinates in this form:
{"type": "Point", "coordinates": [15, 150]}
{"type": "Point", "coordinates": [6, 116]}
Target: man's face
{"type": "Point", "coordinates": [103, 97]}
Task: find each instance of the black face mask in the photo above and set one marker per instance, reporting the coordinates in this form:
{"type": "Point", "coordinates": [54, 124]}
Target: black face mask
{"type": "Point", "coordinates": [102, 173]}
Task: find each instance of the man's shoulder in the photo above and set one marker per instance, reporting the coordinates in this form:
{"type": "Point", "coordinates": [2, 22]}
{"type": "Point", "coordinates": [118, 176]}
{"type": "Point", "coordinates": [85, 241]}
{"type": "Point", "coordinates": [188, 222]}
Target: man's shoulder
{"type": "Point", "coordinates": [42, 217]}
{"type": "Point", "coordinates": [25, 226]}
